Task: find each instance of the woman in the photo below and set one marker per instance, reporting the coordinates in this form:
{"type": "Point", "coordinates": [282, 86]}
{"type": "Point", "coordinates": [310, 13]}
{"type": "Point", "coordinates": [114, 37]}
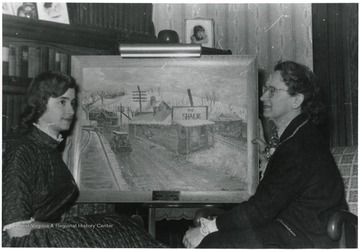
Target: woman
{"type": "Point", "coordinates": [301, 186]}
{"type": "Point", "coordinates": [38, 187]}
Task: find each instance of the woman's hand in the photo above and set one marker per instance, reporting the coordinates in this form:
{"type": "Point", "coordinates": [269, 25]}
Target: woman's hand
{"type": "Point", "coordinates": [193, 237]}
{"type": "Point", "coordinates": [261, 142]}
{"type": "Point", "coordinates": [262, 145]}
{"type": "Point", "coordinates": [25, 229]}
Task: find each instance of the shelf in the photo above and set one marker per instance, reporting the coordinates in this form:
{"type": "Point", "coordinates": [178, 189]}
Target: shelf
{"type": "Point", "coordinates": [105, 39]}
{"type": "Point", "coordinates": [16, 85]}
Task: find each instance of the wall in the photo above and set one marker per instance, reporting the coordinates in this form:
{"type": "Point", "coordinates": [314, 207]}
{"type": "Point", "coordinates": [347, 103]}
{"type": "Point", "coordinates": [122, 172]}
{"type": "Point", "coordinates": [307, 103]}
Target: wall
{"type": "Point", "coordinates": [272, 31]}
{"type": "Point", "coordinates": [335, 29]}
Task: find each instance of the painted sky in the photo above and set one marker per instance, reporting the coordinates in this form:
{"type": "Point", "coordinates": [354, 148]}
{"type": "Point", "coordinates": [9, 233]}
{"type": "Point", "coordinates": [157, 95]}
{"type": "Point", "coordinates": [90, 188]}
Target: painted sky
{"type": "Point", "coordinates": [228, 82]}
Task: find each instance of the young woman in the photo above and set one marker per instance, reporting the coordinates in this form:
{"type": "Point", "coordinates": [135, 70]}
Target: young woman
{"type": "Point", "coordinates": [199, 36]}
{"type": "Point", "coordinates": [301, 186]}
{"type": "Point", "coordinates": [38, 187]}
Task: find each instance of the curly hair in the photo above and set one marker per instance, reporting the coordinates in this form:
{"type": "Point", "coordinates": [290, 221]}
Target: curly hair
{"type": "Point", "coordinates": [301, 80]}
{"type": "Point", "coordinates": [43, 86]}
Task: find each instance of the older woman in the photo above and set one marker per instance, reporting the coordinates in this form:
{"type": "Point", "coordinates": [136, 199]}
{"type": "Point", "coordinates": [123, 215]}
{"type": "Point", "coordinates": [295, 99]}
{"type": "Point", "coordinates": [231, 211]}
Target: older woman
{"type": "Point", "coordinates": [301, 186]}
{"type": "Point", "coordinates": [38, 187]}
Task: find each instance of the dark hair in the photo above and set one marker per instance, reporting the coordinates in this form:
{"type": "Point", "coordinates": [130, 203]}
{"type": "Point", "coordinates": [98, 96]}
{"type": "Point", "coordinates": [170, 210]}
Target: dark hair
{"type": "Point", "coordinates": [198, 28]}
{"type": "Point", "coordinates": [48, 5]}
{"type": "Point", "coordinates": [43, 86]}
{"type": "Point", "coordinates": [301, 80]}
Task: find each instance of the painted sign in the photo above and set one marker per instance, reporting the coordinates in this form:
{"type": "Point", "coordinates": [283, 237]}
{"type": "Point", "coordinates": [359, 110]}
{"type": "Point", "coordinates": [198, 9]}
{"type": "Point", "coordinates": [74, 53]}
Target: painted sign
{"type": "Point", "coordinates": [190, 113]}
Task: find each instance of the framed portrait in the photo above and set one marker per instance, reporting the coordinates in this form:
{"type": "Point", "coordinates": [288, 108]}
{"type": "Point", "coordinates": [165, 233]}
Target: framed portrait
{"type": "Point", "coordinates": [53, 12]}
{"type": "Point", "coordinates": [165, 129]}
{"type": "Point", "coordinates": [200, 31]}
{"type": "Point", "coordinates": [21, 9]}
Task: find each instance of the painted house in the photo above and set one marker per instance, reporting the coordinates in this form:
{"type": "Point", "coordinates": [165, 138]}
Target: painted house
{"type": "Point", "coordinates": [230, 125]}
{"type": "Point", "coordinates": [103, 118]}
{"type": "Point", "coordinates": [178, 129]}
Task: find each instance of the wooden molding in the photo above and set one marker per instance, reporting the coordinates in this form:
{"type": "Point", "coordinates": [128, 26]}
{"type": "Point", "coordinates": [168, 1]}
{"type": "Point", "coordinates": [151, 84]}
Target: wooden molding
{"type": "Point", "coordinates": [82, 36]}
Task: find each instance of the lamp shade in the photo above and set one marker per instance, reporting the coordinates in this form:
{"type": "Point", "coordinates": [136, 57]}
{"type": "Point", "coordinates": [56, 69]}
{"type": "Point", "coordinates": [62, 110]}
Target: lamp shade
{"type": "Point", "coordinates": [168, 36]}
{"type": "Point", "coordinates": [160, 50]}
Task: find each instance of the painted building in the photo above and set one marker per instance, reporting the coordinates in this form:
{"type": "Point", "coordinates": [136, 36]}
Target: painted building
{"type": "Point", "coordinates": [178, 129]}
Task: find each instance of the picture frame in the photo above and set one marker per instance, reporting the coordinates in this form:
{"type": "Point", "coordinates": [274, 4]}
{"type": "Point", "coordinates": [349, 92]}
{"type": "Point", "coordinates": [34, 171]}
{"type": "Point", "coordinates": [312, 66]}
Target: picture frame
{"type": "Point", "coordinates": [165, 129]}
{"type": "Point", "coordinates": [200, 31]}
{"type": "Point", "coordinates": [53, 12]}
{"type": "Point", "coordinates": [21, 9]}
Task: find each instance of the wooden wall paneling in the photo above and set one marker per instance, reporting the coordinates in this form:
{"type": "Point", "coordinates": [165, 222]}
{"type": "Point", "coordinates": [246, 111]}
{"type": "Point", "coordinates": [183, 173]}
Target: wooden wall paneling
{"type": "Point", "coordinates": [259, 36]}
{"type": "Point", "coordinates": [350, 41]}
{"type": "Point", "coordinates": [237, 34]}
{"type": "Point", "coordinates": [106, 15]}
{"type": "Point", "coordinates": [320, 53]}
{"type": "Point", "coordinates": [148, 25]}
{"type": "Point", "coordinates": [274, 30]}
{"type": "Point", "coordinates": [131, 21]}
{"type": "Point", "coordinates": [346, 102]}
{"type": "Point", "coordinates": [353, 44]}
{"type": "Point", "coordinates": [126, 17]}
{"type": "Point", "coordinates": [336, 75]}
{"type": "Point", "coordinates": [286, 23]}
{"type": "Point", "coordinates": [120, 16]}
{"type": "Point", "coordinates": [113, 14]}
{"type": "Point", "coordinates": [335, 35]}
{"type": "Point", "coordinates": [129, 17]}
{"type": "Point", "coordinates": [221, 24]}
{"type": "Point", "coordinates": [302, 34]}
{"type": "Point", "coordinates": [142, 24]}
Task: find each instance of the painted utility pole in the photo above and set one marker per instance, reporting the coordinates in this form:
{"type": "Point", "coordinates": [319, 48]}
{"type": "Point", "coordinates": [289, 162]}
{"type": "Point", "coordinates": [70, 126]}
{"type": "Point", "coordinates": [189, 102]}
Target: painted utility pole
{"type": "Point", "coordinates": [139, 96]}
{"type": "Point", "coordinates": [190, 98]}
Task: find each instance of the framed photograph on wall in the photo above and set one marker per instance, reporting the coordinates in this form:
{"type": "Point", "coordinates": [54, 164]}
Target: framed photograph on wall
{"type": "Point", "coordinates": [200, 31]}
{"type": "Point", "coordinates": [21, 9]}
{"type": "Point", "coordinates": [149, 130]}
{"type": "Point", "coordinates": [53, 12]}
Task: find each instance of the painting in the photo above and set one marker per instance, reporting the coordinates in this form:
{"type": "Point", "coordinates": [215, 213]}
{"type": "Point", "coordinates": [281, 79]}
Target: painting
{"type": "Point", "coordinates": [53, 12]}
{"type": "Point", "coordinates": [200, 31]}
{"type": "Point", "coordinates": [180, 125]}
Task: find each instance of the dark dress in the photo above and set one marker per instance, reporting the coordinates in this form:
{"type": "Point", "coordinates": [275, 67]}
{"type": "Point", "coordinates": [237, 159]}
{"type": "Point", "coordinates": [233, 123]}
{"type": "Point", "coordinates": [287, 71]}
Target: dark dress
{"type": "Point", "coordinates": [37, 184]}
{"type": "Point", "coordinates": [300, 190]}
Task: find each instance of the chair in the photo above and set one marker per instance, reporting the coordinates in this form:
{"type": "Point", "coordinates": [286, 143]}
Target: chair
{"type": "Point", "coordinates": [342, 225]}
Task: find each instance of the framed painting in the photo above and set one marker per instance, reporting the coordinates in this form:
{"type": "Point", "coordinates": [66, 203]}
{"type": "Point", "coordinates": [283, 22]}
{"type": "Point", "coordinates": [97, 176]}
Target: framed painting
{"type": "Point", "coordinates": [167, 129]}
{"type": "Point", "coordinates": [200, 31]}
{"type": "Point", "coordinates": [53, 12]}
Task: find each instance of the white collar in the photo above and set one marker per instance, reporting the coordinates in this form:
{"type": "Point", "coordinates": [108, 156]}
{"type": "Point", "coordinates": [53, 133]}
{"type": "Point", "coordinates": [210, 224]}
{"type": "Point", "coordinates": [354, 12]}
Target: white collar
{"type": "Point", "coordinates": [58, 138]}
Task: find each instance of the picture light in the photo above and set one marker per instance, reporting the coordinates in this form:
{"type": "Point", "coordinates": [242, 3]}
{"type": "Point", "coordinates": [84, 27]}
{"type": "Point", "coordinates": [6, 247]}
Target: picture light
{"type": "Point", "coordinates": [160, 50]}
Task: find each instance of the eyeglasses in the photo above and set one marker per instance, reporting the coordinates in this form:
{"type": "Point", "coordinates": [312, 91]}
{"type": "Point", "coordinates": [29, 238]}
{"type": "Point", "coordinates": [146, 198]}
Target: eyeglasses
{"type": "Point", "coordinates": [272, 90]}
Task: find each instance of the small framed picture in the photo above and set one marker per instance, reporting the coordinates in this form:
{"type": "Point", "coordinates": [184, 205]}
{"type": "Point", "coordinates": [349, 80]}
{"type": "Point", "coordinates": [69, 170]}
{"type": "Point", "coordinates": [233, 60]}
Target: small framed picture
{"type": "Point", "coordinates": [200, 31]}
{"type": "Point", "coordinates": [53, 12]}
{"type": "Point", "coordinates": [21, 9]}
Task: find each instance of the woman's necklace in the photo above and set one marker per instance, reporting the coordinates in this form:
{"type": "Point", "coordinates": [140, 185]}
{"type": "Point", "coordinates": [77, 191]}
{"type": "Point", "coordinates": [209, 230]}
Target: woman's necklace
{"type": "Point", "coordinates": [274, 141]}
{"type": "Point", "coordinates": [273, 144]}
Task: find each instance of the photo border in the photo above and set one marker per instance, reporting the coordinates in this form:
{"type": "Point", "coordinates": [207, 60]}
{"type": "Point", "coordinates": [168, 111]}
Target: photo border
{"type": "Point", "coordinates": [208, 25]}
